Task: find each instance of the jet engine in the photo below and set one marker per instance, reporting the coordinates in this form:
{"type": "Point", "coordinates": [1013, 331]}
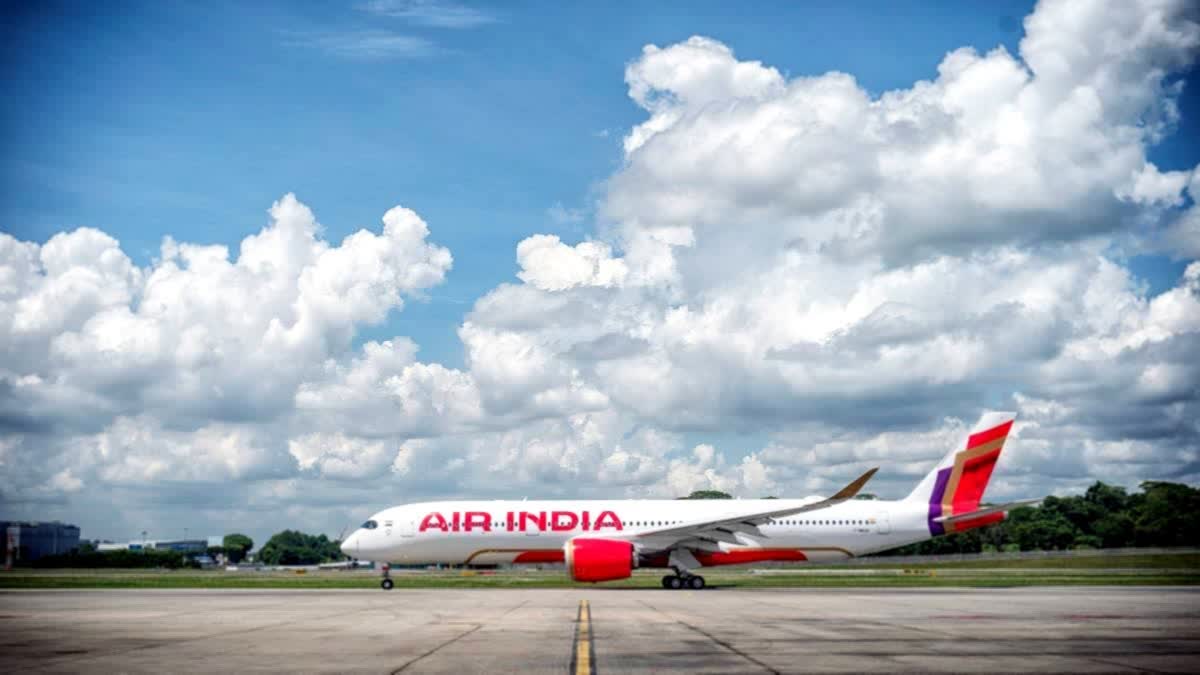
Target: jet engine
{"type": "Point", "coordinates": [599, 559]}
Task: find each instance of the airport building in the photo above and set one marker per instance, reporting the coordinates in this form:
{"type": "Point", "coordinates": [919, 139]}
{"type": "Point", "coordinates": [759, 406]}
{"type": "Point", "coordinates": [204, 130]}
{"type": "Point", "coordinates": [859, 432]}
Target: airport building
{"type": "Point", "coordinates": [192, 549]}
{"type": "Point", "coordinates": [28, 541]}
{"type": "Point", "coordinates": [185, 546]}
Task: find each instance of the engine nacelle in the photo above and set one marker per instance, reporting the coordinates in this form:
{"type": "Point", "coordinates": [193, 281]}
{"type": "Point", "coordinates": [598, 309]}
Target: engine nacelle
{"type": "Point", "coordinates": [599, 559]}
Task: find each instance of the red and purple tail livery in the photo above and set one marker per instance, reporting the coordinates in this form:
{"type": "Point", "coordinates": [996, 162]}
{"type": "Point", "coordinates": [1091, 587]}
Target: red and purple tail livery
{"type": "Point", "coordinates": [956, 486]}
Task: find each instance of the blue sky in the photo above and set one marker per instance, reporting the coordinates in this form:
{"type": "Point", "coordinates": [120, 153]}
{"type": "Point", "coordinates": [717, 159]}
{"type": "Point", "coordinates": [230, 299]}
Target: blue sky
{"type": "Point", "coordinates": [188, 118]}
{"type": "Point", "coordinates": [603, 368]}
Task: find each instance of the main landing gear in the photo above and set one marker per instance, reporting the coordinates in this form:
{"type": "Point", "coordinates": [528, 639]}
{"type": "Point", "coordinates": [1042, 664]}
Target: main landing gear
{"type": "Point", "coordinates": [694, 582]}
{"type": "Point", "coordinates": [386, 583]}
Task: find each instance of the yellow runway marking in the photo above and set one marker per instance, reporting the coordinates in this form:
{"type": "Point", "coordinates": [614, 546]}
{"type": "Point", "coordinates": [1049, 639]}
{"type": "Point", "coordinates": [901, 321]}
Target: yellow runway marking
{"type": "Point", "coordinates": [584, 659]}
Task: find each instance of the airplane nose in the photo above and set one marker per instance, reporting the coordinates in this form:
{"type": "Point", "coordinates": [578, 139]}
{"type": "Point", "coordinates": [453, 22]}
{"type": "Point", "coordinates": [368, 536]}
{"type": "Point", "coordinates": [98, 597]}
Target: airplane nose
{"type": "Point", "coordinates": [350, 546]}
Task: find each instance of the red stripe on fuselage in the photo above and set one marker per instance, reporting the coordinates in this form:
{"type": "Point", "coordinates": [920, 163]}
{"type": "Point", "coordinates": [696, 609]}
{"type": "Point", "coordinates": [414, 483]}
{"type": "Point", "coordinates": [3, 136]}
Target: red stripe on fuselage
{"type": "Point", "coordinates": [737, 557]}
{"type": "Point", "coordinates": [540, 557]}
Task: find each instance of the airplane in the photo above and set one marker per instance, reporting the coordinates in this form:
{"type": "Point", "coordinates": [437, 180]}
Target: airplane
{"type": "Point", "coordinates": [606, 540]}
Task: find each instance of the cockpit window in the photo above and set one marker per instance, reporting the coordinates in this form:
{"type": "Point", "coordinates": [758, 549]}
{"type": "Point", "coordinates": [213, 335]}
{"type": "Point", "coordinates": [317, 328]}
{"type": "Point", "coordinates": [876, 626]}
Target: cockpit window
{"type": "Point", "coordinates": [370, 525]}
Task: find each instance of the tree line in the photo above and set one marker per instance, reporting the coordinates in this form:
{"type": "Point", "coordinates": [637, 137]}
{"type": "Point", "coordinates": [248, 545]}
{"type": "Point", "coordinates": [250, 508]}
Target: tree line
{"type": "Point", "coordinates": [284, 548]}
{"type": "Point", "coordinates": [1106, 516]}
{"type": "Point", "coordinates": [87, 557]}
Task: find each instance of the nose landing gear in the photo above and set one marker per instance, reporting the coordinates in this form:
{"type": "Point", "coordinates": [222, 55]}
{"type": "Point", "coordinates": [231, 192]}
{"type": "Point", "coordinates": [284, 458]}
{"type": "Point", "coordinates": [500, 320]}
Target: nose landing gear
{"type": "Point", "coordinates": [386, 583]}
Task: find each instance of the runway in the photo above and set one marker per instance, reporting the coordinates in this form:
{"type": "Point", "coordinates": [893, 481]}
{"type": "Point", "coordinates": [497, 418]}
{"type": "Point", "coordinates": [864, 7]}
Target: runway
{"type": "Point", "coordinates": [1079, 629]}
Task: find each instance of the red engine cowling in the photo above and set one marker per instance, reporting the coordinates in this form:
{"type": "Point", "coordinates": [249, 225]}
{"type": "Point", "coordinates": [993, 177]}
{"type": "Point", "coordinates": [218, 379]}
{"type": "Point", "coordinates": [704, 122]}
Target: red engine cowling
{"type": "Point", "coordinates": [599, 559]}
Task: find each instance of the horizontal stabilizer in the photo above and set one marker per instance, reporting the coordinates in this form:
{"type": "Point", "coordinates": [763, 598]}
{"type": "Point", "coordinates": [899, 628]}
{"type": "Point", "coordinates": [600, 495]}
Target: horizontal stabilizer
{"type": "Point", "coordinates": [986, 511]}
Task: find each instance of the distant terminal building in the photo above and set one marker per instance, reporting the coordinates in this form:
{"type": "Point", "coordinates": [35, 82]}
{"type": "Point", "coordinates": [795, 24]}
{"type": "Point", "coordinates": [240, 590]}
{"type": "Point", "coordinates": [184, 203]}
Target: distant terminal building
{"type": "Point", "coordinates": [185, 546]}
{"type": "Point", "coordinates": [28, 541]}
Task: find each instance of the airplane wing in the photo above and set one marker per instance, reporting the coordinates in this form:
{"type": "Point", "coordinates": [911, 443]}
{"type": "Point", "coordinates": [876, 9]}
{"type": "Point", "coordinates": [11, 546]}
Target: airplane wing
{"type": "Point", "coordinates": [986, 511]}
{"type": "Point", "coordinates": [708, 534]}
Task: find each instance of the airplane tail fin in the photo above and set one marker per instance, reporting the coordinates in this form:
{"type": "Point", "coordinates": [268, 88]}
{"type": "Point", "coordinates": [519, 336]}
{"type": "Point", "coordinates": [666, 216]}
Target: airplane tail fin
{"type": "Point", "coordinates": [956, 485]}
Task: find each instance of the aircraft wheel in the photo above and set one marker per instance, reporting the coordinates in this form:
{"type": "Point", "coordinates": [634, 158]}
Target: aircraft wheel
{"type": "Point", "coordinates": [695, 583]}
{"type": "Point", "coordinates": [674, 583]}
{"type": "Point", "coordinates": [386, 584]}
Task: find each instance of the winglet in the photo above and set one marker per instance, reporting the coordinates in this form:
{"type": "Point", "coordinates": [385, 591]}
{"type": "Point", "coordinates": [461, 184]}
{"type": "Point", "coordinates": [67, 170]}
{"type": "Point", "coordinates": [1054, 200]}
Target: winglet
{"type": "Point", "coordinates": [852, 489]}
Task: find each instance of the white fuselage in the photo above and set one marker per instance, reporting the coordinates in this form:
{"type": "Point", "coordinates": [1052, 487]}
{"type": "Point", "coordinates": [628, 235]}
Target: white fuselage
{"type": "Point", "coordinates": [490, 532]}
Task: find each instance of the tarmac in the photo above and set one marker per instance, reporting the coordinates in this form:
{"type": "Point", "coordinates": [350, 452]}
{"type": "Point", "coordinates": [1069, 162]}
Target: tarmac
{"type": "Point", "coordinates": [590, 630]}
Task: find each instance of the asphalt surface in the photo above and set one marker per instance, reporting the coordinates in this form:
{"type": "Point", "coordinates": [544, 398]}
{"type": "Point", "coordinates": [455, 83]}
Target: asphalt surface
{"type": "Point", "coordinates": [1076, 629]}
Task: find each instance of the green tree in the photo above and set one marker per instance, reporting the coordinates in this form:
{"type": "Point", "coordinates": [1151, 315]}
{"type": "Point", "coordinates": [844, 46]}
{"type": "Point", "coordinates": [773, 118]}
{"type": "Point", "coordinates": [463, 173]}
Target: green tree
{"type": "Point", "coordinates": [1111, 498]}
{"type": "Point", "coordinates": [1040, 533]}
{"type": "Point", "coordinates": [297, 548]}
{"type": "Point", "coordinates": [237, 546]}
{"type": "Point", "coordinates": [1079, 511]}
{"type": "Point", "coordinates": [708, 494]}
{"type": "Point", "coordinates": [1114, 530]}
{"type": "Point", "coordinates": [1168, 515]}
